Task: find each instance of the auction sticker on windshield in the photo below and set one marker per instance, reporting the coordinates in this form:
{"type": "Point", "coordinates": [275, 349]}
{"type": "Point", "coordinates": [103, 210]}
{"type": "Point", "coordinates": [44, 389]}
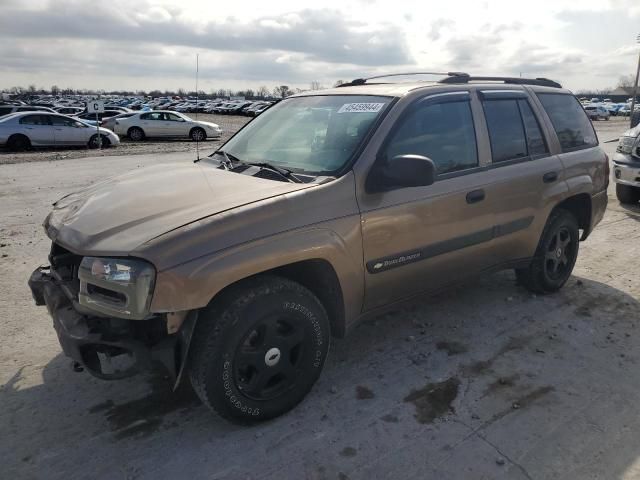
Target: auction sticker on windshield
{"type": "Point", "coordinates": [361, 108]}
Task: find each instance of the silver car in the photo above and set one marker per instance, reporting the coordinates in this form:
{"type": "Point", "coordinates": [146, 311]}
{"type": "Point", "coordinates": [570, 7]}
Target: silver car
{"type": "Point", "coordinates": [19, 131]}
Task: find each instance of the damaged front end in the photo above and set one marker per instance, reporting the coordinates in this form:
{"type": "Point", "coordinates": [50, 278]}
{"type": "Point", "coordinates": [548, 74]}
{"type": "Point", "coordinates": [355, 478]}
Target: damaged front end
{"type": "Point", "coordinates": [100, 313]}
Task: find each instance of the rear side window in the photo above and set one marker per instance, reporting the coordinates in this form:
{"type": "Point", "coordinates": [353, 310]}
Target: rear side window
{"type": "Point", "coordinates": [35, 120]}
{"type": "Point", "coordinates": [573, 127]}
{"type": "Point", "coordinates": [443, 132]}
{"type": "Point", "coordinates": [506, 130]}
{"type": "Point", "coordinates": [535, 139]}
{"type": "Point", "coordinates": [5, 110]}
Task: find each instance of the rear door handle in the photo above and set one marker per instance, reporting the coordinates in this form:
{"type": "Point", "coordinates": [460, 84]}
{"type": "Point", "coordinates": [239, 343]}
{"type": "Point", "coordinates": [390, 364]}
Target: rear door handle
{"type": "Point", "coordinates": [475, 196]}
{"type": "Point", "coordinates": [550, 177]}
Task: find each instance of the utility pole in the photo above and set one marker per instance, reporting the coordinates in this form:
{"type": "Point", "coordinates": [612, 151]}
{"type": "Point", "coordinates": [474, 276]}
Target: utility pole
{"type": "Point", "coordinates": [635, 88]}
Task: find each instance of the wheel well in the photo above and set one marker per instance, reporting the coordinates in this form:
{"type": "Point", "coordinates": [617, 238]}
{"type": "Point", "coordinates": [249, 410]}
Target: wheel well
{"type": "Point", "coordinates": [321, 279]}
{"type": "Point", "coordinates": [580, 206]}
{"type": "Point", "coordinates": [196, 128]}
{"type": "Point", "coordinates": [18, 135]}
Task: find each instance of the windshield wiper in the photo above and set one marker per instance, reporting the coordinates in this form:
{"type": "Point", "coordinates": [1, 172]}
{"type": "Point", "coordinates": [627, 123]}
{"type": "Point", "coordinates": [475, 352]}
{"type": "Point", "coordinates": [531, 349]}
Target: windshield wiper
{"type": "Point", "coordinates": [227, 163]}
{"type": "Point", "coordinates": [284, 172]}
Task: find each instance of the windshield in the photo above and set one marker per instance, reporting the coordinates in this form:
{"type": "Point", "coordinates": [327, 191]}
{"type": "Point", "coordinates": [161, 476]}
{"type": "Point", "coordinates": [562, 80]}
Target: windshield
{"type": "Point", "coordinates": [316, 134]}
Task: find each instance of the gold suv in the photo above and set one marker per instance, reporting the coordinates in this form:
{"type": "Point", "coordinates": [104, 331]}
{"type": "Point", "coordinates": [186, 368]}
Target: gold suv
{"type": "Point", "coordinates": [236, 271]}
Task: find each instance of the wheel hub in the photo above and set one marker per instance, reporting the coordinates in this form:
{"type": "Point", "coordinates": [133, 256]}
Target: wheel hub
{"type": "Point", "coordinates": [558, 252]}
{"type": "Point", "coordinates": [272, 357]}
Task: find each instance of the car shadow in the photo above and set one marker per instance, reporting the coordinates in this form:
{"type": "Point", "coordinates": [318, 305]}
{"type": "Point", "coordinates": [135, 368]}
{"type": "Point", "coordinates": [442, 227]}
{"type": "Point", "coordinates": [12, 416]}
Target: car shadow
{"type": "Point", "coordinates": [486, 362]}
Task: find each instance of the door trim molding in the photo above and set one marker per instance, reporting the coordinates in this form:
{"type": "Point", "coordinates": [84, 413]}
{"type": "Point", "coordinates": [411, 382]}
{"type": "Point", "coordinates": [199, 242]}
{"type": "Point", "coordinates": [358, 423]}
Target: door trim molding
{"type": "Point", "coordinates": [458, 243]}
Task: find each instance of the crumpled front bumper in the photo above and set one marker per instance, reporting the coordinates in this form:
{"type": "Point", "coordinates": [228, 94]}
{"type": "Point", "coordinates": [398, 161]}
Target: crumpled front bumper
{"type": "Point", "coordinates": [108, 348]}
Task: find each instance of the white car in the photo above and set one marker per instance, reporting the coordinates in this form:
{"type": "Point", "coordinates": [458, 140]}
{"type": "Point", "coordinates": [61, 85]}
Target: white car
{"type": "Point", "coordinates": [597, 112]}
{"type": "Point", "coordinates": [19, 131]}
{"type": "Point", "coordinates": [165, 123]}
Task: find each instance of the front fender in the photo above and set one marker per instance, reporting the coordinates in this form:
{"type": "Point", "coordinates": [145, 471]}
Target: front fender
{"type": "Point", "coordinates": [194, 284]}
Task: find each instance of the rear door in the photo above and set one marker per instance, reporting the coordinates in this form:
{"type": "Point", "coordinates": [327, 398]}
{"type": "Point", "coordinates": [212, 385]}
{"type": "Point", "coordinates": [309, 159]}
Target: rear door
{"type": "Point", "coordinates": [38, 129]}
{"type": "Point", "coordinates": [152, 124]}
{"type": "Point", "coordinates": [525, 179]}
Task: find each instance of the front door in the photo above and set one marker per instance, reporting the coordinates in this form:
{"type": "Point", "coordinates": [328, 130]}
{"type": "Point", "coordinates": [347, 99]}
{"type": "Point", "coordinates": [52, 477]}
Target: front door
{"type": "Point", "coordinates": [67, 131]}
{"type": "Point", "coordinates": [176, 125]}
{"type": "Point", "coordinates": [423, 238]}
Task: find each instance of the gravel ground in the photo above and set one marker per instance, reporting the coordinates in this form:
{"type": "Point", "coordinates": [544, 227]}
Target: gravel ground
{"type": "Point", "coordinates": [485, 381]}
{"type": "Point", "coordinates": [230, 124]}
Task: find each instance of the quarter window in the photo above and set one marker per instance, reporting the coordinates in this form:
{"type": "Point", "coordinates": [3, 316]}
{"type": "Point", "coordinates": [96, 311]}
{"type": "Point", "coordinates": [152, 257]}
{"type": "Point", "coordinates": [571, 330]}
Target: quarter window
{"type": "Point", "coordinates": [569, 120]}
{"type": "Point", "coordinates": [443, 132]}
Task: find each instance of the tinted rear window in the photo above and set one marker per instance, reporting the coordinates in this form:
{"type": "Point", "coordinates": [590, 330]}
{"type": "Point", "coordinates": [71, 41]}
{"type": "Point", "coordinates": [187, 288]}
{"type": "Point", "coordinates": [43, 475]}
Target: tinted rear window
{"type": "Point", "coordinates": [506, 130]}
{"type": "Point", "coordinates": [569, 120]}
{"type": "Point", "coordinates": [5, 110]}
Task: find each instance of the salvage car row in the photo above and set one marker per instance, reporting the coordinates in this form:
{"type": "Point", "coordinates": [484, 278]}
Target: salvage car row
{"type": "Point", "coordinates": [23, 130]}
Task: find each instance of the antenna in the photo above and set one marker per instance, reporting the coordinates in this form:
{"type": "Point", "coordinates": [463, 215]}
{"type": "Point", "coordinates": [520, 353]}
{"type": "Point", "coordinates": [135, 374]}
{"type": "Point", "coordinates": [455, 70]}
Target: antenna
{"type": "Point", "coordinates": [197, 105]}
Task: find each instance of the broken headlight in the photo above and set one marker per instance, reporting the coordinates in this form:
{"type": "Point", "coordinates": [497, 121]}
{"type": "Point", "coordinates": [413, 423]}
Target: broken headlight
{"type": "Point", "coordinates": [117, 287]}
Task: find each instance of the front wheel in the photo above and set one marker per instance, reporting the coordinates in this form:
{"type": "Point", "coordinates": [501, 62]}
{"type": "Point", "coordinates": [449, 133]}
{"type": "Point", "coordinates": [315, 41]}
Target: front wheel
{"type": "Point", "coordinates": [104, 141]}
{"type": "Point", "coordinates": [198, 135]}
{"type": "Point", "coordinates": [627, 193]}
{"type": "Point", "coordinates": [555, 256]}
{"type": "Point", "coordinates": [258, 349]}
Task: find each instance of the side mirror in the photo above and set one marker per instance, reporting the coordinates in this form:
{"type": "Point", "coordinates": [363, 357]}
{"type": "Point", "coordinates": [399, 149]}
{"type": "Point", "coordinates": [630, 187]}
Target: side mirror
{"type": "Point", "coordinates": [400, 172]}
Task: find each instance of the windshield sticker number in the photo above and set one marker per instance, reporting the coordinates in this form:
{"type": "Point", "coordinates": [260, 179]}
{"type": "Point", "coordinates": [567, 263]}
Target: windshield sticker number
{"type": "Point", "coordinates": [361, 108]}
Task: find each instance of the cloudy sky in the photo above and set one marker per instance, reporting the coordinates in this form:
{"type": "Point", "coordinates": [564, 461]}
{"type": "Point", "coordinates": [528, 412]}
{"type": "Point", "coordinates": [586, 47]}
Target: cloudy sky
{"type": "Point", "coordinates": [151, 44]}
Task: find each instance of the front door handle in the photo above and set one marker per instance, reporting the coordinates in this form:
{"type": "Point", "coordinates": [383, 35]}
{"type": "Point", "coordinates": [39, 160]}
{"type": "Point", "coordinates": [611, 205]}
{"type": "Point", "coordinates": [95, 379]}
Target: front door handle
{"type": "Point", "coordinates": [475, 196]}
{"type": "Point", "coordinates": [550, 177]}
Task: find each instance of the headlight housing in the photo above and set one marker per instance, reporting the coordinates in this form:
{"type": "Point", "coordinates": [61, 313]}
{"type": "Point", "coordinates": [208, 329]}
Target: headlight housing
{"type": "Point", "coordinates": [116, 286]}
{"type": "Point", "coordinates": [629, 145]}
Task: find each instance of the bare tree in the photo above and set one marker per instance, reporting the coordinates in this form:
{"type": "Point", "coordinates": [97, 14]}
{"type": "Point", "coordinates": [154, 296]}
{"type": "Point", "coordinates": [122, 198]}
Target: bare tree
{"type": "Point", "coordinates": [338, 83]}
{"type": "Point", "coordinates": [626, 81]}
{"type": "Point", "coordinates": [315, 85]}
{"type": "Point", "coordinates": [282, 91]}
{"type": "Point", "coordinates": [263, 92]}
{"type": "Point", "coordinates": [55, 90]}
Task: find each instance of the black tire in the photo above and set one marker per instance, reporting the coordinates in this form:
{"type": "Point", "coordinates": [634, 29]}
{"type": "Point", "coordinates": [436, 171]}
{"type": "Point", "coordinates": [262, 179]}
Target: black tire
{"type": "Point", "coordinates": [136, 134]}
{"type": "Point", "coordinates": [627, 193]}
{"type": "Point", "coordinates": [93, 141]}
{"type": "Point", "coordinates": [198, 134]}
{"type": "Point", "coordinates": [555, 256]}
{"type": "Point", "coordinates": [18, 143]}
{"type": "Point", "coordinates": [261, 320]}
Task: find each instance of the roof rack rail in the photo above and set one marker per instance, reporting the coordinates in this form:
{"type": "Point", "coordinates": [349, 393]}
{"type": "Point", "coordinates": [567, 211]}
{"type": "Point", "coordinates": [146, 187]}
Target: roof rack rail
{"type": "Point", "coordinates": [544, 82]}
{"type": "Point", "coordinates": [362, 81]}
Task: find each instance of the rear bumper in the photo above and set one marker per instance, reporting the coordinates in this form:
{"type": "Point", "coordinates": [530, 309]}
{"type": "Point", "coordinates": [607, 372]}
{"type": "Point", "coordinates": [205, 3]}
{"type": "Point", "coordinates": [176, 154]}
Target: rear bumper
{"type": "Point", "coordinates": [108, 348]}
{"type": "Point", "coordinates": [599, 203]}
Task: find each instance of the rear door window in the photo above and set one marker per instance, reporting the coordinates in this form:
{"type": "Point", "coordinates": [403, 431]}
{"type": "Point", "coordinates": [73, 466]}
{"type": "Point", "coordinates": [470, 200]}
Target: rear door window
{"type": "Point", "coordinates": [35, 120]}
{"type": "Point", "coordinates": [573, 127]}
{"type": "Point", "coordinates": [506, 130]}
{"type": "Point", "coordinates": [514, 131]}
{"type": "Point", "coordinates": [444, 132]}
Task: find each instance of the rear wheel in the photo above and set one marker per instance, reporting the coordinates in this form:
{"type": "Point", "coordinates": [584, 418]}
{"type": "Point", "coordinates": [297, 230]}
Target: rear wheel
{"type": "Point", "coordinates": [627, 193]}
{"type": "Point", "coordinates": [136, 134]}
{"type": "Point", "coordinates": [555, 256]}
{"type": "Point", "coordinates": [18, 143]}
{"type": "Point", "coordinates": [198, 135]}
{"type": "Point", "coordinates": [258, 350]}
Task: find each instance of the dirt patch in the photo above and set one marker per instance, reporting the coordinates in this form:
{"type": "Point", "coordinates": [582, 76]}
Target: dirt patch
{"type": "Point", "coordinates": [501, 383]}
{"type": "Point", "coordinates": [389, 419]}
{"type": "Point", "coordinates": [143, 416]}
{"type": "Point", "coordinates": [349, 452]}
{"type": "Point", "coordinates": [364, 393]}
{"type": "Point", "coordinates": [452, 348]}
{"type": "Point", "coordinates": [484, 366]}
{"type": "Point", "coordinates": [434, 399]}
